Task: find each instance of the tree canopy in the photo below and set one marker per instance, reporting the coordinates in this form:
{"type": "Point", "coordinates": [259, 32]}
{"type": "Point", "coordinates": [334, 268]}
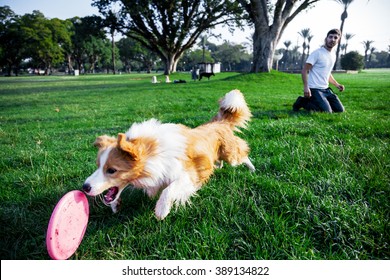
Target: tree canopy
{"type": "Point", "coordinates": [159, 34]}
{"type": "Point", "coordinates": [169, 28]}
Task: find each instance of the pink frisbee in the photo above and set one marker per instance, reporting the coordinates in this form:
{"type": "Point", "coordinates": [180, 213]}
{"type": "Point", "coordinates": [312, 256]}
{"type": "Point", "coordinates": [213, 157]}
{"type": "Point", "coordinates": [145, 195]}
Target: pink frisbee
{"type": "Point", "coordinates": [67, 225]}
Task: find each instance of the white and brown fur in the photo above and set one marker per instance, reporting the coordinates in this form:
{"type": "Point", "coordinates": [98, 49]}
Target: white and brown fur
{"type": "Point", "coordinates": [170, 160]}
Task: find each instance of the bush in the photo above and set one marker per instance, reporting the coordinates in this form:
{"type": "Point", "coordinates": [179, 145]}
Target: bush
{"type": "Point", "coordinates": [352, 61]}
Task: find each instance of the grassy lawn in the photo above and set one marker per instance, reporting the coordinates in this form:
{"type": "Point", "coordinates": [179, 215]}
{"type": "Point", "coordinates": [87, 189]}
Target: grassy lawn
{"type": "Point", "coordinates": [321, 189]}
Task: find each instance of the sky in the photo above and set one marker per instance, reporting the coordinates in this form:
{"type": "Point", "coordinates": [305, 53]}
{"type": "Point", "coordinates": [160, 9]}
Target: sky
{"type": "Point", "coordinates": [367, 19]}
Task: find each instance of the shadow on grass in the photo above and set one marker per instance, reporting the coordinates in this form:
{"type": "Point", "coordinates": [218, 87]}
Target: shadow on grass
{"type": "Point", "coordinates": [25, 238]}
{"type": "Point", "coordinates": [279, 114]}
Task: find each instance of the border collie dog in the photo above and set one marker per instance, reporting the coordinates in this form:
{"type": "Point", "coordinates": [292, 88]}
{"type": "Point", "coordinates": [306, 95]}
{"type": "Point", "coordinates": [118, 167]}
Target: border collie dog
{"type": "Point", "coordinates": [169, 161]}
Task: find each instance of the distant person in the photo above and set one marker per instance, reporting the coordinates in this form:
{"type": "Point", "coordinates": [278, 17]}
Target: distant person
{"type": "Point", "coordinates": [194, 74]}
{"type": "Point", "coordinates": [316, 76]}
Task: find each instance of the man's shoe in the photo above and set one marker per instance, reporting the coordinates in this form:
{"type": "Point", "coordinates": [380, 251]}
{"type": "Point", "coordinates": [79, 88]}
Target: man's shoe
{"type": "Point", "coordinates": [301, 101]}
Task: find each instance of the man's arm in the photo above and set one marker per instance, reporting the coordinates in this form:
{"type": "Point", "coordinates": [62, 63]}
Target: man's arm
{"type": "Point", "coordinates": [306, 90]}
{"type": "Point", "coordinates": [333, 81]}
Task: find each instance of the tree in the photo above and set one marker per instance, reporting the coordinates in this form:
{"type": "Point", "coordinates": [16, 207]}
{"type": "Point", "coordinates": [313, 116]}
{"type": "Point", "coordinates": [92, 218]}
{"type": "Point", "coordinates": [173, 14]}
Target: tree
{"type": "Point", "coordinates": [344, 16]}
{"type": "Point", "coordinates": [97, 50]}
{"type": "Point", "coordinates": [352, 61]}
{"type": "Point", "coordinates": [87, 31]}
{"type": "Point", "coordinates": [41, 50]}
{"type": "Point", "coordinates": [309, 38]}
{"type": "Point", "coordinates": [287, 44]}
{"type": "Point", "coordinates": [105, 55]}
{"type": "Point", "coordinates": [168, 28]}
{"type": "Point", "coordinates": [12, 42]}
{"type": "Point", "coordinates": [128, 50]}
{"type": "Point", "coordinates": [133, 55]}
{"type": "Point", "coordinates": [230, 54]}
{"type": "Point", "coordinates": [42, 40]}
{"type": "Point", "coordinates": [33, 38]}
{"type": "Point", "coordinates": [286, 54]}
{"type": "Point", "coordinates": [192, 57]}
{"type": "Point", "coordinates": [347, 36]}
{"type": "Point", "coordinates": [343, 47]}
{"type": "Point", "coordinates": [388, 56]}
{"type": "Point", "coordinates": [270, 19]}
{"type": "Point", "coordinates": [112, 22]}
{"type": "Point", "coordinates": [295, 57]}
{"type": "Point", "coordinates": [61, 41]}
{"type": "Point", "coordinates": [367, 47]}
{"type": "Point", "coordinates": [305, 34]}
{"type": "Point", "coordinates": [372, 50]}
{"type": "Point", "coordinates": [381, 60]}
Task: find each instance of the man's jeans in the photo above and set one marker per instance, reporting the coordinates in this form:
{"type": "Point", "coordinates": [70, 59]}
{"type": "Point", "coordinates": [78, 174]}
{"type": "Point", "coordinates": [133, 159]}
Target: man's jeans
{"type": "Point", "coordinates": [324, 100]}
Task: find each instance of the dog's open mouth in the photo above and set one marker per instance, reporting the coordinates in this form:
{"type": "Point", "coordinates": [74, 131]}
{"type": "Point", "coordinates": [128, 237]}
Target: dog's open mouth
{"type": "Point", "coordinates": [111, 194]}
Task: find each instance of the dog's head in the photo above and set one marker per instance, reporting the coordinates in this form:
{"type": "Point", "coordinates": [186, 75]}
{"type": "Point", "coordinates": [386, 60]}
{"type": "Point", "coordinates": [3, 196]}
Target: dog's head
{"type": "Point", "coordinates": [119, 162]}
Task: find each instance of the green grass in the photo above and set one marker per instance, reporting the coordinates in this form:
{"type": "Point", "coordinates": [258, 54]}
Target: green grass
{"type": "Point", "coordinates": [321, 189]}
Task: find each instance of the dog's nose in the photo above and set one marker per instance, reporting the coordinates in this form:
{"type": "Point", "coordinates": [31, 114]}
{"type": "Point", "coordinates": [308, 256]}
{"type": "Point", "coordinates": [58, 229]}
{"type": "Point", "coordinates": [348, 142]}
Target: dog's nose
{"type": "Point", "coordinates": [87, 187]}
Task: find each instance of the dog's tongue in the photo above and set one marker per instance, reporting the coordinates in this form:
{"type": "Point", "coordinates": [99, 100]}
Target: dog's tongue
{"type": "Point", "coordinates": [111, 194]}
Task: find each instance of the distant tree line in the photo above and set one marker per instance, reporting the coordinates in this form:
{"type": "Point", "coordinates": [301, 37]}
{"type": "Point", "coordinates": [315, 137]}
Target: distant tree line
{"type": "Point", "coordinates": [170, 28]}
{"type": "Point", "coordinates": [293, 58]}
{"type": "Point", "coordinates": [36, 44]}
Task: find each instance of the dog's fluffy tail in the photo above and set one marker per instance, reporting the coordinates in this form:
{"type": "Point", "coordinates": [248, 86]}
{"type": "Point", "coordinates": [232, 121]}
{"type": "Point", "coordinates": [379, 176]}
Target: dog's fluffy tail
{"type": "Point", "coordinates": [234, 110]}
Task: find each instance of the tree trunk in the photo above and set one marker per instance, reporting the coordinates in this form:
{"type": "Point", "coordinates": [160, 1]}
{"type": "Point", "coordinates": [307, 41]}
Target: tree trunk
{"type": "Point", "coordinates": [344, 15]}
{"type": "Point", "coordinates": [168, 64]}
{"type": "Point", "coordinates": [113, 51]}
{"type": "Point", "coordinates": [170, 61]}
{"type": "Point", "coordinates": [70, 64]}
{"type": "Point", "coordinates": [269, 28]}
{"type": "Point", "coordinates": [174, 66]}
{"type": "Point", "coordinates": [264, 43]}
{"type": "Point", "coordinates": [9, 69]}
{"type": "Point", "coordinates": [79, 64]}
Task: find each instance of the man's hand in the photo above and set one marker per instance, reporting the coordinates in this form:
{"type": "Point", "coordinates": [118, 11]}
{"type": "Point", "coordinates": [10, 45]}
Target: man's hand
{"type": "Point", "coordinates": [340, 87]}
{"type": "Point", "coordinates": [307, 92]}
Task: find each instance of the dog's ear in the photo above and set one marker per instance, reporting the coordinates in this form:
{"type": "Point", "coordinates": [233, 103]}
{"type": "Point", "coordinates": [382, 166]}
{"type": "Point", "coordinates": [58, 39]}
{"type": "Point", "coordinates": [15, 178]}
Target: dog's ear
{"type": "Point", "coordinates": [127, 146]}
{"type": "Point", "coordinates": [104, 141]}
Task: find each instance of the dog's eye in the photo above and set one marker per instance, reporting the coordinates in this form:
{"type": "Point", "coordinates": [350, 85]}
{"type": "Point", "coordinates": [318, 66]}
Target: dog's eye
{"type": "Point", "coordinates": [111, 170]}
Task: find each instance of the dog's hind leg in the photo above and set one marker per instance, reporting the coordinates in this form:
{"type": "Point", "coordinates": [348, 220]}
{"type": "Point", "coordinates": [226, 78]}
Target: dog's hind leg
{"type": "Point", "coordinates": [246, 161]}
{"type": "Point", "coordinates": [235, 151]}
{"type": "Point", "coordinates": [249, 164]}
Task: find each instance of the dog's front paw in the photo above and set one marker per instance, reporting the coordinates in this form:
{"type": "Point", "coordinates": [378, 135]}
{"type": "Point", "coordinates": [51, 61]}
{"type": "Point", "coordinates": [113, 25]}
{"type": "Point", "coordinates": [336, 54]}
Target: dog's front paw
{"type": "Point", "coordinates": [162, 209]}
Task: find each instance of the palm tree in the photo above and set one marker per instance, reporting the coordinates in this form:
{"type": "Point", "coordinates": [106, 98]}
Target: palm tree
{"type": "Point", "coordinates": [294, 55]}
{"type": "Point", "coordinates": [372, 49]}
{"type": "Point", "coordinates": [347, 37]}
{"type": "Point", "coordinates": [344, 16]}
{"type": "Point", "coordinates": [308, 43]}
{"type": "Point", "coordinates": [367, 47]}
{"type": "Point", "coordinates": [285, 58]}
{"type": "Point", "coordinates": [305, 33]}
{"type": "Point", "coordinates": [343, 48]}
{"type": "Point", "coordinates": [287, 44]}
